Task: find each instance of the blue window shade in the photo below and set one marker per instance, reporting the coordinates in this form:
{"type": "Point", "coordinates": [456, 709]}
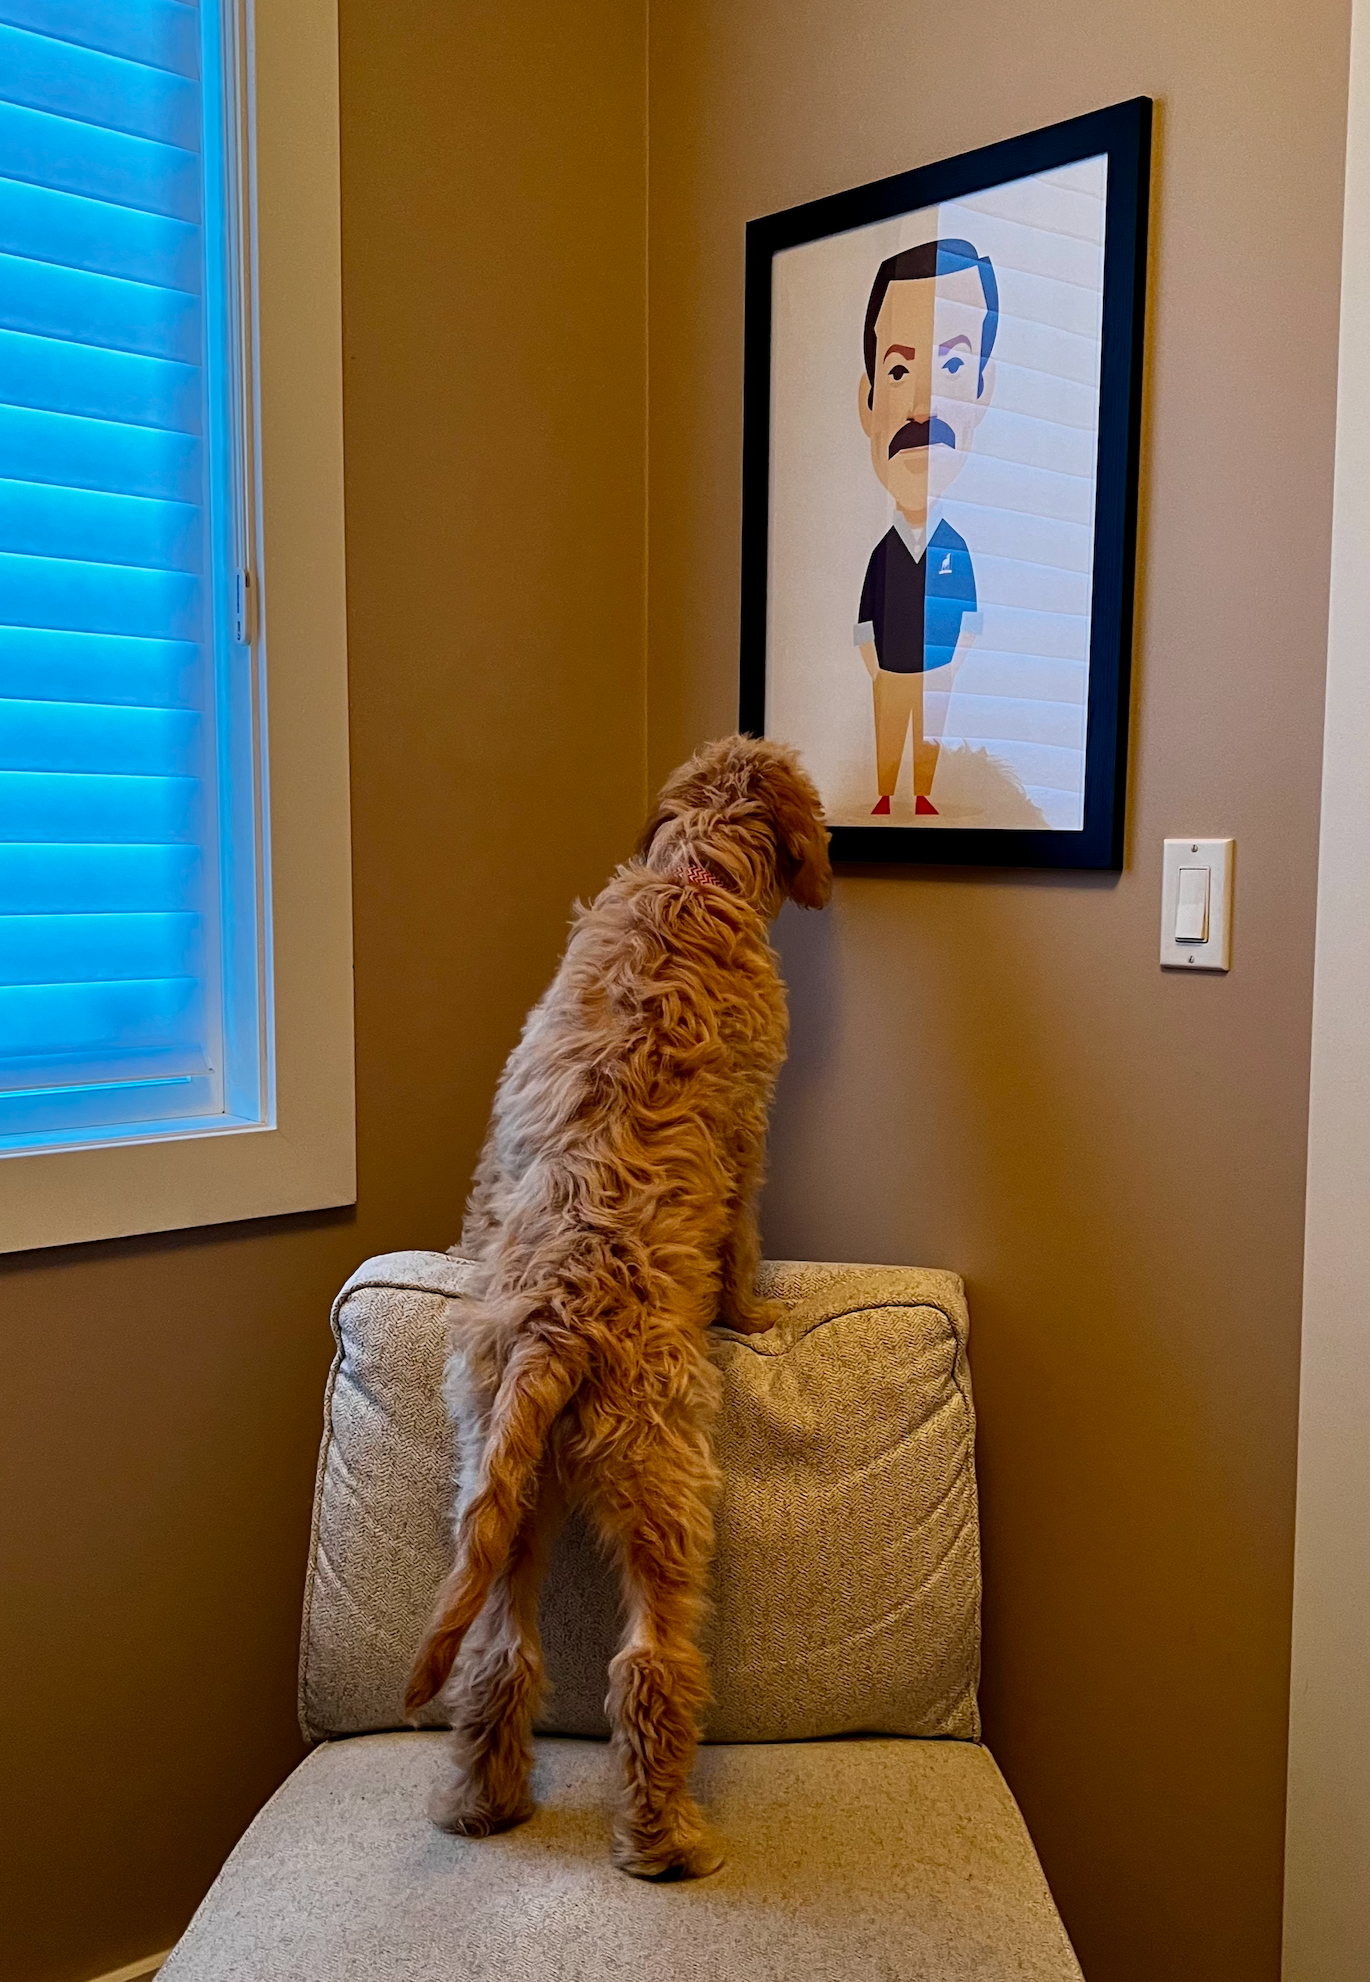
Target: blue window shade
{"type": "Point", "coordinates": [128, 933]}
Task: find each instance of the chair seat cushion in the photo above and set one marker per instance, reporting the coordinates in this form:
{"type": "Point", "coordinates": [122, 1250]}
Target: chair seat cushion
{"type": "Point", "coordinates": [872, 1858]}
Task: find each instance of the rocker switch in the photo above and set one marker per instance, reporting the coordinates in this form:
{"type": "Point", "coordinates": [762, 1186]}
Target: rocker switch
{"type": "Point", "coordinates": [1196, 904]}
{"type": "Point", "coordinates": [1191, 905]}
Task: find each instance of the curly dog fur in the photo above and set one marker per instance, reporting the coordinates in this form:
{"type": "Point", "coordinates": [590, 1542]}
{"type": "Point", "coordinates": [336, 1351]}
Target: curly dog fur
{"type": "Point", "coordinates": [612, 1220]}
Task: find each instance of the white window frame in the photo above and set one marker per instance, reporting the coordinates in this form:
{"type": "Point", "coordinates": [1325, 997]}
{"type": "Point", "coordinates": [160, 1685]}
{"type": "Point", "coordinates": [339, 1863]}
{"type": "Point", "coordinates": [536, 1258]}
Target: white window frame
{"type": "Point", "coordinates": [304, 1157]}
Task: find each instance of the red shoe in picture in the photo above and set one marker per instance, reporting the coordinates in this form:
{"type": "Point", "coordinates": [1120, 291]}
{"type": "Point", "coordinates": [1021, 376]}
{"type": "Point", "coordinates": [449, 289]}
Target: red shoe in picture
{"type": "Point", "coordinates": [925, 808]}
{"type": "Point", "coordinates": [881, 809]}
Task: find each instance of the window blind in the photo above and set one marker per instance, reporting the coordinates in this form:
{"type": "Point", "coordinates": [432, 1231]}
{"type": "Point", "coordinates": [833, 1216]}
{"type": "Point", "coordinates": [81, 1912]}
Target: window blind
{"type": "Point", "coordinates": [113, 514]}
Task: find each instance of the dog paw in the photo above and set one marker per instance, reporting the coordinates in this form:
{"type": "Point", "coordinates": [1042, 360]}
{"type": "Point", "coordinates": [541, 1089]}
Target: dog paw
{"type": "Point", "coordinates": [694, 1854]}
{"type": "Point", "coordinates": [465, 1810]}
{"type": "Point", "coordinates": [756, 1318]}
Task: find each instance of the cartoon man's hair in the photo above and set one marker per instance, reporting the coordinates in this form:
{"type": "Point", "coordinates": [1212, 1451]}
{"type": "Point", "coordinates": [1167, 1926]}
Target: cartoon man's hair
{"type": "Point", "coordinates": [920, 264]}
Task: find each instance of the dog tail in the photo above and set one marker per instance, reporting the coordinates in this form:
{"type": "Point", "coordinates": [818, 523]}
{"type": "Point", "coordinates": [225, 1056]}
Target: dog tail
{"type": "Point", "coordinates": [539, 1380]}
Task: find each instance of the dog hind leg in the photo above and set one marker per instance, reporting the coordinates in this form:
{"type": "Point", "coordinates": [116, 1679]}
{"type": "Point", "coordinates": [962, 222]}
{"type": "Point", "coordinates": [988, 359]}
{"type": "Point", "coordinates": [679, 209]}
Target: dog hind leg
{"type": "Point", "coordinates": [658, 1521]}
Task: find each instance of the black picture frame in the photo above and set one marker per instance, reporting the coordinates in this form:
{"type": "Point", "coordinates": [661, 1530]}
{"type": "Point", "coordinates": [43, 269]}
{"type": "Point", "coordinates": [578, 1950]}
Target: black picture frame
{"type": "Point", "coordinates": [1123, 132]}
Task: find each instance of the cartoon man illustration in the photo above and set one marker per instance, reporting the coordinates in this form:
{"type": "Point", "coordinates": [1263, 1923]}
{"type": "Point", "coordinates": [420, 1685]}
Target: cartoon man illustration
{"type": "Point", "coordinates": [928, 379]}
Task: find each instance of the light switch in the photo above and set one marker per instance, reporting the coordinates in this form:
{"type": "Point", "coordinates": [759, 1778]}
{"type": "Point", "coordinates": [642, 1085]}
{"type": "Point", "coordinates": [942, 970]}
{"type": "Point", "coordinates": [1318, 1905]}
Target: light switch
{"type": "Point", "coordinates": [1196, 904]}
{"type": "Point", "coordinates": [1191, 907]}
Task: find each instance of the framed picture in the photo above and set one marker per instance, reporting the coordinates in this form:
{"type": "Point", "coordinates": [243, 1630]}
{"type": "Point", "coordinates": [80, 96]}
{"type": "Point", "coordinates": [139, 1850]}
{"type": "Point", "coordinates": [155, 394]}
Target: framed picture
{"type": "Point", "coordinates": [943, 391]}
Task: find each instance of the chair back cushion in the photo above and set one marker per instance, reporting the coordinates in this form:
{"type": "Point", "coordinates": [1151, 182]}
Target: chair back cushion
{"type": "Point", "coordinates": [846, 1585]}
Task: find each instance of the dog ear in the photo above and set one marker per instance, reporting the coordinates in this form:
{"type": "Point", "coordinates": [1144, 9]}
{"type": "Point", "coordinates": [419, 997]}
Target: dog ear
{"type": "Point", "coordinates": [801, 836]}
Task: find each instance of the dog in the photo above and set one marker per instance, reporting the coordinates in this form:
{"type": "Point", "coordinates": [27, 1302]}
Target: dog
{"type": "Point", "coordinates": [612, 1219]}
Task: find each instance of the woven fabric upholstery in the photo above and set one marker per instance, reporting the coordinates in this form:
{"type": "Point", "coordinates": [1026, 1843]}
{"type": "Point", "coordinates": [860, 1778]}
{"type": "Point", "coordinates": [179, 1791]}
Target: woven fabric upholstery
{"type": "Point", "coordinates": [848, 1861]}
{"type": "Point", "coordinates": [847, 1574]}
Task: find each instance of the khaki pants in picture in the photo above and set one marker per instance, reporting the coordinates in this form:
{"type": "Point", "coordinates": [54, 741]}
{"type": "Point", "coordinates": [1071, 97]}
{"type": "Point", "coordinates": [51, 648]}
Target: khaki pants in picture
{"type": "Point", "coordinates": [899, 701]}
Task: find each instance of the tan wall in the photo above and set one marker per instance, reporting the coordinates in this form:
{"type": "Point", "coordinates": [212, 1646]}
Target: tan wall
{"type": "Point", "coordinates": [164, 1394]}
{"type": "Point", "coordinates": [989, 1071]}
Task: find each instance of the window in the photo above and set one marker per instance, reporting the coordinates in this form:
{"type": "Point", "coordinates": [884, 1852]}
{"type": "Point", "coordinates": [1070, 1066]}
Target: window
{"type": "Point", "coordinates": [154, 656]}
{"type": "Point", "coordinates": [132, 992]}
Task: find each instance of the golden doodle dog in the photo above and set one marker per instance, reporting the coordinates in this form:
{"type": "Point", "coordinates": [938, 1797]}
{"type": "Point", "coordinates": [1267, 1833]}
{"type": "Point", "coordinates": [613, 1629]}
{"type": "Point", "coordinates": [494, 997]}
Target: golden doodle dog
{"type": "Point", "coordinates": [612, 1220]}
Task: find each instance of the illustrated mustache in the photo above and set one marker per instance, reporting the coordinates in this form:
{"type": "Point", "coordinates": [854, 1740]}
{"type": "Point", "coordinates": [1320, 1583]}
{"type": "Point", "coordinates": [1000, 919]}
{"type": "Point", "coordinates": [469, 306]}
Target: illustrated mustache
{"type": "Point", "coordinates": [922, 433]}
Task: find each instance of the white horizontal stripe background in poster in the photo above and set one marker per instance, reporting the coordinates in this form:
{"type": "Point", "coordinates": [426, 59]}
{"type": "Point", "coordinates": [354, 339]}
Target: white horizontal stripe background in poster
{"type": "Point", "coordinates": [1014, 733]}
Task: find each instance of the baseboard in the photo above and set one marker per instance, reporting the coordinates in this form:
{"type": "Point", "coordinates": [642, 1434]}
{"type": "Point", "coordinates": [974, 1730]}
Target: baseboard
{"type": "Point", "coordinates": [136, 1970]}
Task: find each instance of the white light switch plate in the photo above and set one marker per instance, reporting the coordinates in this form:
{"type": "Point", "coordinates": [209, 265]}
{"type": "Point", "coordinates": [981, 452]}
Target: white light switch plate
{"type": "Point", "coordinates": [1218, 856]}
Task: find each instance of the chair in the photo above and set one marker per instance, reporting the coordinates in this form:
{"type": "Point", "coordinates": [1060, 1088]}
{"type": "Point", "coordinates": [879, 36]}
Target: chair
{"type": "Point", "coordinates": [870, 1834]}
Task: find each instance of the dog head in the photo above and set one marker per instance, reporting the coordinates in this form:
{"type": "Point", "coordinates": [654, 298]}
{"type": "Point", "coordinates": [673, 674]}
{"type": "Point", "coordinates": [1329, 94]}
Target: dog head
{"type": "Point", "coordinates": [745, 807]}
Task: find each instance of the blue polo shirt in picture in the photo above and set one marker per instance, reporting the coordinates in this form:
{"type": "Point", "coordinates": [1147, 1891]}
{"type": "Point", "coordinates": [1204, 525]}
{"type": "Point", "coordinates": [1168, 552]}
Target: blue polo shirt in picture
{"type": "Point", "coordinates": [912, 604]}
